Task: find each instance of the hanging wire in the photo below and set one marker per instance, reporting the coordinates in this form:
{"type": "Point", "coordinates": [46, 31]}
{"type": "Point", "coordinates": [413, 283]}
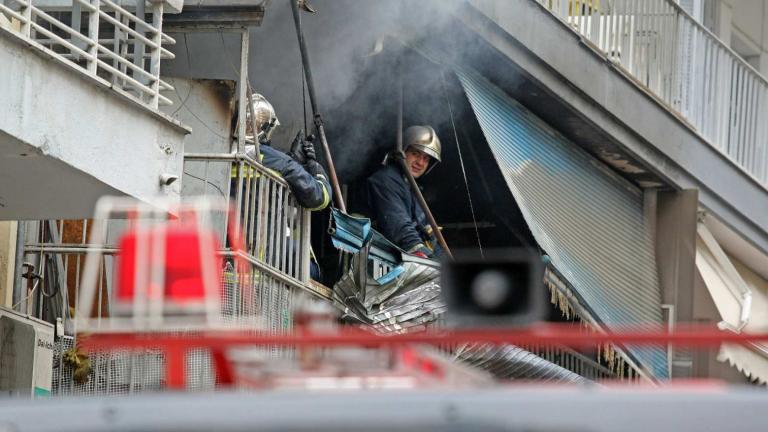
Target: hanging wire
{"type": "Point", "coordinates": [461, 161]}
{"type": "Point", "coordinates": [304, 100]}
{"type": "Point", "coordinates": [303, 90]}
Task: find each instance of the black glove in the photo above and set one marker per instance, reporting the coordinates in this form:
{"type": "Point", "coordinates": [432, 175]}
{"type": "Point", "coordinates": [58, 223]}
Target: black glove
{"type": "Point", "coordinates": [314, 168]}
{"type": "Point", "coordinates": [265, 128]}
{"type": "Point", "coordinates": [309, 150]}
{"type": "Point", "coordinates": [297, 152]}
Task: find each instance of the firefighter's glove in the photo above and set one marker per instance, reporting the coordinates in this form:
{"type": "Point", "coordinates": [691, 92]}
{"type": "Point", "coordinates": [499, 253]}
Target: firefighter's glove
{"type": "Point", "coordinates": [309, 150]}
{"type": "Point", "coordinates": [425, 232]}
{"type": "Point", "coordinates": [297, 151]}
{"type": "Point", "coordinates": [264, 134]}
{"type": "Point", "coordinates": [314, 168]}
{"type": "Point", "coordinates": [421, 251]}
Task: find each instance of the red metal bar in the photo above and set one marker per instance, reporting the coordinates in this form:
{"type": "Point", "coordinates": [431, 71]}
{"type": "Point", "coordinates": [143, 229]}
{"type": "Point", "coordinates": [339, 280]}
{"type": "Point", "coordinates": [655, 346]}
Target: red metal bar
{"type": "Point", "coordinates": [568, 335]}
{"type": "Point", "coordinates": [224, 374]}
{"type": "Point", "coordinates": [175, 365]}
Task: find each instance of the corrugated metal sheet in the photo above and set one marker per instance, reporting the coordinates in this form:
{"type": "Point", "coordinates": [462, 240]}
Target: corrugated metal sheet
{"type": "Point", "coordinates": [512, 362]}
{"type": "Point", "coordinates": [589, 220]}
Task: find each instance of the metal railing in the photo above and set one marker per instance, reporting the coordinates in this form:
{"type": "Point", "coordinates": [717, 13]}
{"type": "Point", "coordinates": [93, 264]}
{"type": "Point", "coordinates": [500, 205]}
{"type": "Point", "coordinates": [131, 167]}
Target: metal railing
{"type": "Point", "coordinates": [685, 66]}
{"type": "Point", "coordinates": [106, 40]}
{"type": "Point", "coordinates": [260, 290]}
{"type": "Point", "coordinates": [275, 227]}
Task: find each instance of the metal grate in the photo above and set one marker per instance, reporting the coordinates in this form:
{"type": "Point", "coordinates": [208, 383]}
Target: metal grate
{"type": "Point", "coordinates": [112, 373]}
{"type": "Point", "coordinates": [260, 290]}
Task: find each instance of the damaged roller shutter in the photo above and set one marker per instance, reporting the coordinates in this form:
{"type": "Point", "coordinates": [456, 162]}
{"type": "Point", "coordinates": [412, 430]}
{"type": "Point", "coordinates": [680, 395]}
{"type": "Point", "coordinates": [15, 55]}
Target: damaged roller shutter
{"type": "Point", "coordinates": [589, 220]}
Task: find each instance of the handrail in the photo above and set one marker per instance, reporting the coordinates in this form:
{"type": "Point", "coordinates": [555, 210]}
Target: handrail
{"type": "Point", "coordinates": [130, 73]}
{"type": "Point", "coordinates": [679, 9]}
{"type": "Point", "coordinates": [689, 69]}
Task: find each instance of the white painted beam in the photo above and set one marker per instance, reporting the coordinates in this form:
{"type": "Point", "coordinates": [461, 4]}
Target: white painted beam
{"type": "Point", "coordinates": [66, 139]}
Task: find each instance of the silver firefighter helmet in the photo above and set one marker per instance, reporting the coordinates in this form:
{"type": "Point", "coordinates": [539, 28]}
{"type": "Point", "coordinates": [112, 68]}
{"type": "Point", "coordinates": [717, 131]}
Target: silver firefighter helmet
{"type": "Point", "coordinates": [424, 139]}
{"type": "Point", "coordinates": [266, 119]}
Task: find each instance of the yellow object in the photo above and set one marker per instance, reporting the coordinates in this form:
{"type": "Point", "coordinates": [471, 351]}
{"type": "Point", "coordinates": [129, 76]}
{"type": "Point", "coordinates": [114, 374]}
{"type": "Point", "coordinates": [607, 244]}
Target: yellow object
{"type": "Point", "coordinates": [80, 363]}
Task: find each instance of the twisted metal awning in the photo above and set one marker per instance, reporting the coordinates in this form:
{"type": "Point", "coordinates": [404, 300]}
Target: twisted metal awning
{"type": "Point", "coordinates": [393, 292]}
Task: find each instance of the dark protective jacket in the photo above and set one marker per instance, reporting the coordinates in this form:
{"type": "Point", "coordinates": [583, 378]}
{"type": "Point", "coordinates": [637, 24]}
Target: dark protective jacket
{"type": "Point", "coordinates": [308, 183]}
{"type": "Point", "coordinates": [396, 212]}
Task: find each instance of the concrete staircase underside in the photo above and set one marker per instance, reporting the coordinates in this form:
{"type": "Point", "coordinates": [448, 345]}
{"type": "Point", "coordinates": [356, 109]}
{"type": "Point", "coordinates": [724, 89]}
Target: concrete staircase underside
{"type": "Point", "coordinates": [67, 139]}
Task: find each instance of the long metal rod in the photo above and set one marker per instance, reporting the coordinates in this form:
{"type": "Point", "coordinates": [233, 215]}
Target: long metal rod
{"type": "Point", "coordinates": [242, 91]}
{"type": "Point", "coordinates": [400, 156]}
{"type": "Point", "coordinates": [542, 334]}
{"type": "Point", "coordinates": [318, 120]}
{"type": "Point", "coordinates": [68, 250]}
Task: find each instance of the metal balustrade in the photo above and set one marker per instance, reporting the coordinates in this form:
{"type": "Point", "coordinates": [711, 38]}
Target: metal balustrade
{"type": "Point", "coordinates": [118, 47]}
{"type": "Point", "coordinates": [685, 66]}
{"type": "Point", "coordinates": [259, 290]}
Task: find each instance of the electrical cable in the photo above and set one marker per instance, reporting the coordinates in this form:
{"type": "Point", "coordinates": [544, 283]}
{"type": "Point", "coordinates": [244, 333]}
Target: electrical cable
{"type": "Point", "coordinates": [206, 181]}
{"type": "Point", "coordinates": [198, 118]}
{"type": "Point", "coordinates": [304, 101]}
{"type": "Point", "coordinates": [461, 161]}
{"type": "Point", "coordinates": [189, 66]}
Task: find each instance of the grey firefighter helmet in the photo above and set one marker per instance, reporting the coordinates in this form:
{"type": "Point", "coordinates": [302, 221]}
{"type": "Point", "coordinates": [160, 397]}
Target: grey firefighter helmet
{"type": "Point", "coordinates": [266, 119]}
{"type": "Point", "coordinates": [423, 139]}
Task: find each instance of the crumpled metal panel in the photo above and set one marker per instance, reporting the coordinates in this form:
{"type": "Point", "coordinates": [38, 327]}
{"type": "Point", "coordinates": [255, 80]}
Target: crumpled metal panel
{"type": "Point", "coordinates": [587, 219]}
{"type": "Point", "coordinates": [411, 301]}
{"type": "Point", "coordinates": [405, 304]}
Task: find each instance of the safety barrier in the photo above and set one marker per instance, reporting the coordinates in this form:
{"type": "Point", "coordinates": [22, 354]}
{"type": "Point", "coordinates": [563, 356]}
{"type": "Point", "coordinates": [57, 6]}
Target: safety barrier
{"type": "Point", "coordinates": [110, 43]}
{"type": "Point", "coordinates": [685, 66]}
{"type": "Point", "coordinates": [260, 290]}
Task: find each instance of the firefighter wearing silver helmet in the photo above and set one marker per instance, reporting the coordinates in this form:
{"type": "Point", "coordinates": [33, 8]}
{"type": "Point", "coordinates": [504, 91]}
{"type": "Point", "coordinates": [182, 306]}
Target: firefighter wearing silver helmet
{"type": "Point", "coordinates": [266, 119]}
{"type": "Point", "coordinates": [305, 176]}
{"type": "Point", "coordinates": [395, 210]}
{"type": "Point", "coordinates": [423, 139]}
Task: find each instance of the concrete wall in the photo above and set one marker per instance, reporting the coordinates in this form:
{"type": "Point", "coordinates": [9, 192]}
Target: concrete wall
{"type": "Point", "coordinates": [66, 139]}
{"type": "Point", "coordinates": [207, 106]}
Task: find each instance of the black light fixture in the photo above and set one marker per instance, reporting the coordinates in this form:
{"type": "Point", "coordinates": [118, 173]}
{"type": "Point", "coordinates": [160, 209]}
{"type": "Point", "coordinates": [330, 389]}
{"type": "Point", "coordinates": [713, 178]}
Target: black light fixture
{"type": "Point", "coordinates": [503, 289]}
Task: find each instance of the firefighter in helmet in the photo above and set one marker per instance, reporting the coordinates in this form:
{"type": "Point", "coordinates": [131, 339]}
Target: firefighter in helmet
{"type": "Point", "coordinates": [306, 178]}
{"type": "Point", "coordinates": [299, 167]}
{"type": "Point", "coordinates": [396, 211]}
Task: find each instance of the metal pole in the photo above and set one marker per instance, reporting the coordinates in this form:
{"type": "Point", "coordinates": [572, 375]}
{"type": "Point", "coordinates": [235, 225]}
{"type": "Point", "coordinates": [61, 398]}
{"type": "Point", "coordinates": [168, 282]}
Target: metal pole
{"type": "Point", "coordinates": [400, 156]}
{"type": "Point", "coordinates": [242, 92]}
{"type": "Point", "coordinates": [254, 127]}
{"type": "Point", "coordinates": [21, 237]}
{"type": "Point", "coordinates": [318, 120]}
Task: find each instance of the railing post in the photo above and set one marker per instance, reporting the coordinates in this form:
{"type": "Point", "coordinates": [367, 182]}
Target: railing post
{"type": "Point", "coordinates": [242, 92]}
{"type": "Point", "coordinates": [77, 10]}
{"type": "Point", "coordinates": [93, 35]}
{"type": "Point", "coordinates": [116, 44]}
{"type": "Point", "coordinates": [26, 12]}
{"type": "Point", "coordinates": [154, 59]}
{"type": "Point", "coordinates": [305, 245]}
{"type": "Point", "coordinates": [138, 45]}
